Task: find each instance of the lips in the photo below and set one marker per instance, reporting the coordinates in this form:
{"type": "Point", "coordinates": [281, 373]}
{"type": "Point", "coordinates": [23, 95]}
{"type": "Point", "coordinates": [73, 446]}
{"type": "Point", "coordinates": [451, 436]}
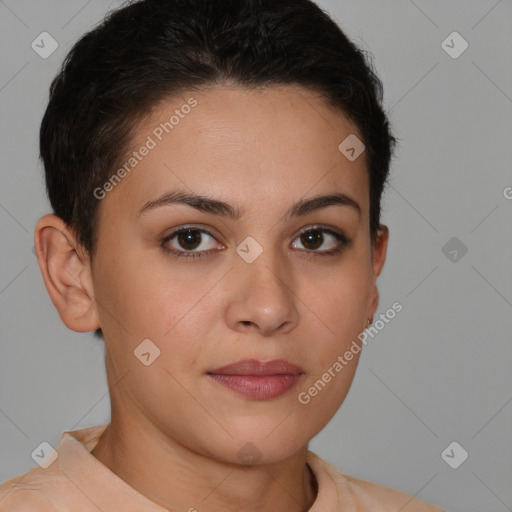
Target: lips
{"type": "Point", "coordinates": [258, 380]}
{"type": "Point", "coordinates": [255, 367]}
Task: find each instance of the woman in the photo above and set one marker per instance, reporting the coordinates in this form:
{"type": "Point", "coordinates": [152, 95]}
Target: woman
{"type": "Point", "coordinates": [215, 170]}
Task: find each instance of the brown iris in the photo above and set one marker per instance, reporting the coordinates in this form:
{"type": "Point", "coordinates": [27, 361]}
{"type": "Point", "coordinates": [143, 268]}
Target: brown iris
{"type": "Point", "coordinates": [314, 237]}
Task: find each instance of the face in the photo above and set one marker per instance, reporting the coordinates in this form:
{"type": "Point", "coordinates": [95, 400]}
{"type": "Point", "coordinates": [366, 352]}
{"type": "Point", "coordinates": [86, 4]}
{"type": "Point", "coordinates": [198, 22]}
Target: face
{"type": "Point", "coordinates": [257, 278]}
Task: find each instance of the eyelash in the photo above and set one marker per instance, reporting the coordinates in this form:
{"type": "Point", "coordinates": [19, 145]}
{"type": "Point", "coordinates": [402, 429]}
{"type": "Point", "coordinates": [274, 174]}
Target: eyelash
{"type": "Point", "coordinates": [340, 237]}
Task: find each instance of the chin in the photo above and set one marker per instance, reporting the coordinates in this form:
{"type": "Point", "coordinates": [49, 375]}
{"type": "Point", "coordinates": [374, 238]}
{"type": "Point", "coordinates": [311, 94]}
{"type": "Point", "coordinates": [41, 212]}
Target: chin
{"type": "Point", "coordinates": [256, 450]}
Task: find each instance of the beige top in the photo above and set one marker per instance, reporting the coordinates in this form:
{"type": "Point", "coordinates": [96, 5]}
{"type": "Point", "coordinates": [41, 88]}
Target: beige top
{"type": "Point", "coordinates": [78, 482]}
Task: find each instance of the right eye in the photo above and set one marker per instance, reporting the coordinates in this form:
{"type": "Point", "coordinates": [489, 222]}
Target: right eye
{"type": "Point", "coordinates": [188, 239]}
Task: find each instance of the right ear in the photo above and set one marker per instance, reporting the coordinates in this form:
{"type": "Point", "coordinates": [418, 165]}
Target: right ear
{"type": "Point", "coordinates": [66, 270]}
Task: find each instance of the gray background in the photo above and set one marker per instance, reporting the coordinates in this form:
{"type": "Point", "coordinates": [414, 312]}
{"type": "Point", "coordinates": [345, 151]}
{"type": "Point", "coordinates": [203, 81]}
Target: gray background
{"type": "Point", "coordinates": [439, 372]}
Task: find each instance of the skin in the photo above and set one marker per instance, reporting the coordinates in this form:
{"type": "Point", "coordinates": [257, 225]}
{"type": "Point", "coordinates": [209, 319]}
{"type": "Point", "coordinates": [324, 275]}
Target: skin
{"type": "Point", "coordinates": [174, 433]}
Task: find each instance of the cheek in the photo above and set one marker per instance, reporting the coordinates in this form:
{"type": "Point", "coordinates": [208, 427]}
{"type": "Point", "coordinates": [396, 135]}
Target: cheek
{"type": "Point", "coordinates": [325, 389]}
{"type": "Point", "coordinates": [140, 295]}
{"type": "Point", "coordinates": [341, 299]}
{"type": "Point", "coordinates": [341, 307]}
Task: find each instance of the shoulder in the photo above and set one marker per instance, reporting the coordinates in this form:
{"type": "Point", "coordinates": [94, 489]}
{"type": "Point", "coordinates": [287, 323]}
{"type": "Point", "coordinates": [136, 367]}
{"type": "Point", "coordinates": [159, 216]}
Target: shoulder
{"type": "Point", "coordinates": [386, 497]}
{"type": "Point", "coordinates": [361, 495]}
{"type": "Point", "coordinates": [17, 495]}
{"type": "Point", "coordinates": [50, 488]}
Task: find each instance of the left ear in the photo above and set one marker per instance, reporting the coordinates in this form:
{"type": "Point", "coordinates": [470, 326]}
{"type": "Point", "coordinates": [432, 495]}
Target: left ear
{"type": "Point", "coordinates": [379, 251]}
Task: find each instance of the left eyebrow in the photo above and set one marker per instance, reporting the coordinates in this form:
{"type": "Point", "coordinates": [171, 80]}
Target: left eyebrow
{"type": "Point", "coordinates": [217, 207]}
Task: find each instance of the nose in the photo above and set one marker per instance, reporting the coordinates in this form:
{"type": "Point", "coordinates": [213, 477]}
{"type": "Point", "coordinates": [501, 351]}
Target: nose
{"type": "Point", "coordinates": [262, 296]}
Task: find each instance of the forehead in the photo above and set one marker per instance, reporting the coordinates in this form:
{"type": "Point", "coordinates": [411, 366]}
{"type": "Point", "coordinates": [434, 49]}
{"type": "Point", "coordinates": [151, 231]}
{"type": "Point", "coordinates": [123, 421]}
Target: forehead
{"type": "Point", "coordinates": [268, 144]}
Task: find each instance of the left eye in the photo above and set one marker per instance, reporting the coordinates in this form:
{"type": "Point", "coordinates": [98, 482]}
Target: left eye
{"type": "Point", "coordinates": [315, 237]}
{"type": "Point", "coordinates": [191, 239]}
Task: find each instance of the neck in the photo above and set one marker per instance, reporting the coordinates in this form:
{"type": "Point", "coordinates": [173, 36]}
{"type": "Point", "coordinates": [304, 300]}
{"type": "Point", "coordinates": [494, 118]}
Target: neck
{"type": "Point", "coordinates": [177, 478]}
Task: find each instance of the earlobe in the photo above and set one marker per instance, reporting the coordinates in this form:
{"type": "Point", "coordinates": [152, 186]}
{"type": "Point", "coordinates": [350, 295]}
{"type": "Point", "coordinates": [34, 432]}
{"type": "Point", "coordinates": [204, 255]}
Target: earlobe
{"type": "Point", "coordinates": [66, 274]}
